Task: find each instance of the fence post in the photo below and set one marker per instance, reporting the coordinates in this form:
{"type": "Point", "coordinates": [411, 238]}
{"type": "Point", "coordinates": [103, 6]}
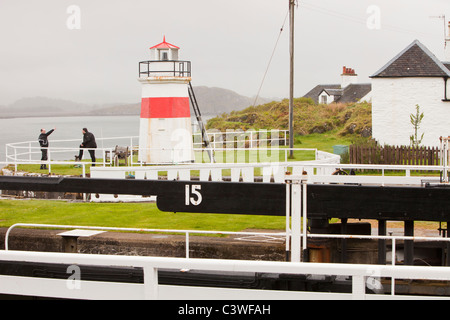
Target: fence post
{"type": "Point", "coordinates": [296, 205]}
{"type": "Point", "coordinates": [150, 283]}
{"type": "Point", "coordinates": [187, 245]}
{"type": "Point", "coordinates": [15, 159]}
{"type": "Point", "coordinates": [49, 159]}
{"type": "Point", "coordinates": [359, 287]}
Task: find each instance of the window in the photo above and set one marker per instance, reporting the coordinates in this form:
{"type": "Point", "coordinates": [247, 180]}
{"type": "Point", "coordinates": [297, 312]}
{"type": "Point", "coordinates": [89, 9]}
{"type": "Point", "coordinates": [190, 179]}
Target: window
{"type": "Point", "coordinates": [164, 55]}
{"type": "Point", "coordinates": [324, 99]}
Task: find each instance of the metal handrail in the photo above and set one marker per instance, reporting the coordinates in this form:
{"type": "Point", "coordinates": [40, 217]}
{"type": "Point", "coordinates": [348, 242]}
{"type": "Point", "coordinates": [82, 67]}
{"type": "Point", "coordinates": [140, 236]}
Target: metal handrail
{"type": "Point", "coordinates": [186, 232]}
{"type": "Point", "coordinates": [151, 289]}
{"type": "Point", "coordinates": [183, 70]}
{"type": "Point", "coordinates": [378, 273]}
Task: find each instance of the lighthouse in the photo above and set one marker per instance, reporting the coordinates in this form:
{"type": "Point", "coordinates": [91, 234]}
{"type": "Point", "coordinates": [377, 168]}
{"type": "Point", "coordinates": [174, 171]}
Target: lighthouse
{"type": "Point", "coordinates": [165, 133]}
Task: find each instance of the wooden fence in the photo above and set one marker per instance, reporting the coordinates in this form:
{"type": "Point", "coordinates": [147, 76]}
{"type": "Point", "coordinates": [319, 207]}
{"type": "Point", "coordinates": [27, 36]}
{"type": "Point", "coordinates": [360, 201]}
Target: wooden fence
{"type": "Point", "coordinates": [394, 155]}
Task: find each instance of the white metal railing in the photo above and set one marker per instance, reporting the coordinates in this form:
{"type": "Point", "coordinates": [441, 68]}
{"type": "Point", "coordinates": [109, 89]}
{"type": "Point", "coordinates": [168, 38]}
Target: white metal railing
{"type": "Point", "coordinates": [29, 152]}
{"type": "Point", "coordinates": [229, 155]}
{"type": "Point", "coordinates": [217, 171]}
{"type": "Point", "coordinates": [83, 165]}
{"type": "Point", "coordinates": [393, 239]}
{"type": "Point", "coordinates": [241, 147]}
{"type": "Point", "coordinates": [187, 233]}
{"type": "Point", "coordinates": [318, 171]}
{"type": "Point", "coordinates": [252, 138]}
{"type": "Point", "coordinates": [293, 234]}
{"type": "Point", "coordinates": [74, 287]}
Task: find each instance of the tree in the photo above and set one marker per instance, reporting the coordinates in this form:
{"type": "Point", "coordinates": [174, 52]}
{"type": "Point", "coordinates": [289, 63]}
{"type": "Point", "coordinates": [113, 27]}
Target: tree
{"type": "Point", "coordinates": [416, 120]}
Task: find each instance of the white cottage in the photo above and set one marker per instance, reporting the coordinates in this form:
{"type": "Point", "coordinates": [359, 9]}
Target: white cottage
{"type": "Point", "coordinates": [414, 77]}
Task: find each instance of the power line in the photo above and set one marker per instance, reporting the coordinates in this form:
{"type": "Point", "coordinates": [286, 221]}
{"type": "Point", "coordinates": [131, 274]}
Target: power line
{"type": "Point", "coordinates": [358, 20]}
{"type": "Point", "coordinates": [271, 57]}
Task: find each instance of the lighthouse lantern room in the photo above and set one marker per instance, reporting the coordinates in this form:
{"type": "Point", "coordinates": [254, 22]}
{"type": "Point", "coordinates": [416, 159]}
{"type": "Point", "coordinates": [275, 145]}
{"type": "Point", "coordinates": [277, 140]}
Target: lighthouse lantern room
{"type": "Point", "coordinates": [165, 134]}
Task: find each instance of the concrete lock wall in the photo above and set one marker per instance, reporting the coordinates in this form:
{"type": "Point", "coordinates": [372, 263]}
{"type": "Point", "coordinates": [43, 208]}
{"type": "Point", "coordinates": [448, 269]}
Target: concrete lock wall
{"type": "Point", "coordinates": [164, 245]}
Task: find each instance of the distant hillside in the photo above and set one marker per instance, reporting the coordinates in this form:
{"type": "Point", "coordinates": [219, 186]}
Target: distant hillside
{"type": "Point", "coordinates": [211, 101]}
{"type": "Point", "coordinates": [309, 118]}
{"type": "Point", "coordinates": [118, 109]}
{"type": "Point", "coordinates": [43, 107]}
{"type": "Point", "coordinates": [215, 101]}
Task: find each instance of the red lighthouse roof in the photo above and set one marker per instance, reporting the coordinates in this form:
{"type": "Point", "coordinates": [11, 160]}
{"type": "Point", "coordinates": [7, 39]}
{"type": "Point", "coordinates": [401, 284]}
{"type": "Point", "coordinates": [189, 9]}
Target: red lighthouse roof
{"type": "Point", "coordinates": [165, 45]}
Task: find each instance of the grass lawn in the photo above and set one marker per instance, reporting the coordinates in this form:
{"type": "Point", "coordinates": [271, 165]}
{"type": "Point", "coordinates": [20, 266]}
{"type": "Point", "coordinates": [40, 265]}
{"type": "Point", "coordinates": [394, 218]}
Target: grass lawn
{"type": "Point", "coordinates": [324, 141]}
{"type": "Point", "coordinates": [145, 215]}
{"type": "Point", "coordinates": [58, 169]}
{"type": "Point", "coordinates": [127, 215]}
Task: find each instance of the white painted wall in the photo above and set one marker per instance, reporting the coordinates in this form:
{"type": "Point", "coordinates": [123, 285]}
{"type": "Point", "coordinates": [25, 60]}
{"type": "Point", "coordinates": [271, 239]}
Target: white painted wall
{"type": "Point", "coordinates": [165, 140]}
{"type": "Point", "coordinates": [330, 99]}
{"type": "Point", "coordinates": [395, 99]}
{"type": "Point", "coordinates": [159, 88]}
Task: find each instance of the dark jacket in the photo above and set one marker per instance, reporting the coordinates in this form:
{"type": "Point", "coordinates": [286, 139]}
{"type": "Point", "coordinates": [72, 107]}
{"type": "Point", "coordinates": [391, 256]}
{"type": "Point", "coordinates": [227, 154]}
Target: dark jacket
{"type": "Point", "coordinates": [89, 141]}
{"type": "Point", "coordinates": [43, 139]}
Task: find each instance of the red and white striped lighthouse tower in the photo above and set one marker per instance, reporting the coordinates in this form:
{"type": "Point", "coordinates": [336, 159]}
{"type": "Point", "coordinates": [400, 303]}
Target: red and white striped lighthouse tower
{"type": "Point", "coordinates": [165, 134]}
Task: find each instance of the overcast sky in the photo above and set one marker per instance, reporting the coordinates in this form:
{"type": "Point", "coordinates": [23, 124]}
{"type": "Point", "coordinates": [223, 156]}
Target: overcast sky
{"type": "Point", "coordinates": [228, 41]}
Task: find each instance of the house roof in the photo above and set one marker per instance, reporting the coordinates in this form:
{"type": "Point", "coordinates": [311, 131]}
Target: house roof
{"type": "Point", "coordinates": [414, 61]}
{"type": "Point", "coordinates": [447, 65]}
{"type": "Point", "coordinates": [334, 92]}
{"type": "Point", "coordinates": [351, 93]}
{"type": "Point", "coordinates": [355, 92]}
{"type": "Point", "coordinates": [316, 91]}
{"type": "Point", "coordinates": [165, 45]}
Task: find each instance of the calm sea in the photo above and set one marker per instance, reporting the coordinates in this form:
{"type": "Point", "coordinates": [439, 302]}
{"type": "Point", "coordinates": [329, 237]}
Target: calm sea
{"type": "Point", "coordinates": [67, 128]}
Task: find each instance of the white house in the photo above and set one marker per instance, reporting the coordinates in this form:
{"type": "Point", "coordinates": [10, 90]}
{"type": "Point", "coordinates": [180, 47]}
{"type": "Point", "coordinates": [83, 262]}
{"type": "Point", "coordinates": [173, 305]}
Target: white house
{"type": "Point", "coordinates": [349, 90]}
{"type": "Point", "coordinates": [413, 77]}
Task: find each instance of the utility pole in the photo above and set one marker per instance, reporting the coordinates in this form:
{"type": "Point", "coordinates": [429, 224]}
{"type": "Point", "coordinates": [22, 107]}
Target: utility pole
{"type": "Point", "coordinates": [291, 78]}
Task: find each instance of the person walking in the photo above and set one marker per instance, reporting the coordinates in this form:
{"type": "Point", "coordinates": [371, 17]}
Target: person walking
{"type": "Point", "coordinates": [43, 142]}
{"type": "Point", "coordinates": [88, 143]}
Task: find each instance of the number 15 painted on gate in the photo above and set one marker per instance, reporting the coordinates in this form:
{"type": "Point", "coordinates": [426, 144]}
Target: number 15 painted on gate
{"type": "Point", "coordinates": [194, 191]}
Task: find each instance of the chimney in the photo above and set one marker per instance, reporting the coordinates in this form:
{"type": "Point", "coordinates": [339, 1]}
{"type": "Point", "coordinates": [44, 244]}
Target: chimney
{"type": "Point", "coordinates": [349, 76]}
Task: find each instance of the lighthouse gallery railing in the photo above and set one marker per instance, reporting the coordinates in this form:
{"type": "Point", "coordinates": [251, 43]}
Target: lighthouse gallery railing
{"type": "Point", "coordinates": [169, 68]}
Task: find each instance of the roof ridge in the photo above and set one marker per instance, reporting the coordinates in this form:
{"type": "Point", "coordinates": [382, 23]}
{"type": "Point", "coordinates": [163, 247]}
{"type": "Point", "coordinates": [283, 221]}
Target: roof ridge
{"type": "Point", "coordinates": [165, 45]}
{"type": "Point", "coordinates": [433, 56]}
{"type": "Point", "coordinates": [424, 49]}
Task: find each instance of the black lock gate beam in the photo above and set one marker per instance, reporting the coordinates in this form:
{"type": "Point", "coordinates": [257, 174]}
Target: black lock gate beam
{"type": "Point", "coordinates": [172, 196]}
{"type": "Point", "coordinates": [323, 201]}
